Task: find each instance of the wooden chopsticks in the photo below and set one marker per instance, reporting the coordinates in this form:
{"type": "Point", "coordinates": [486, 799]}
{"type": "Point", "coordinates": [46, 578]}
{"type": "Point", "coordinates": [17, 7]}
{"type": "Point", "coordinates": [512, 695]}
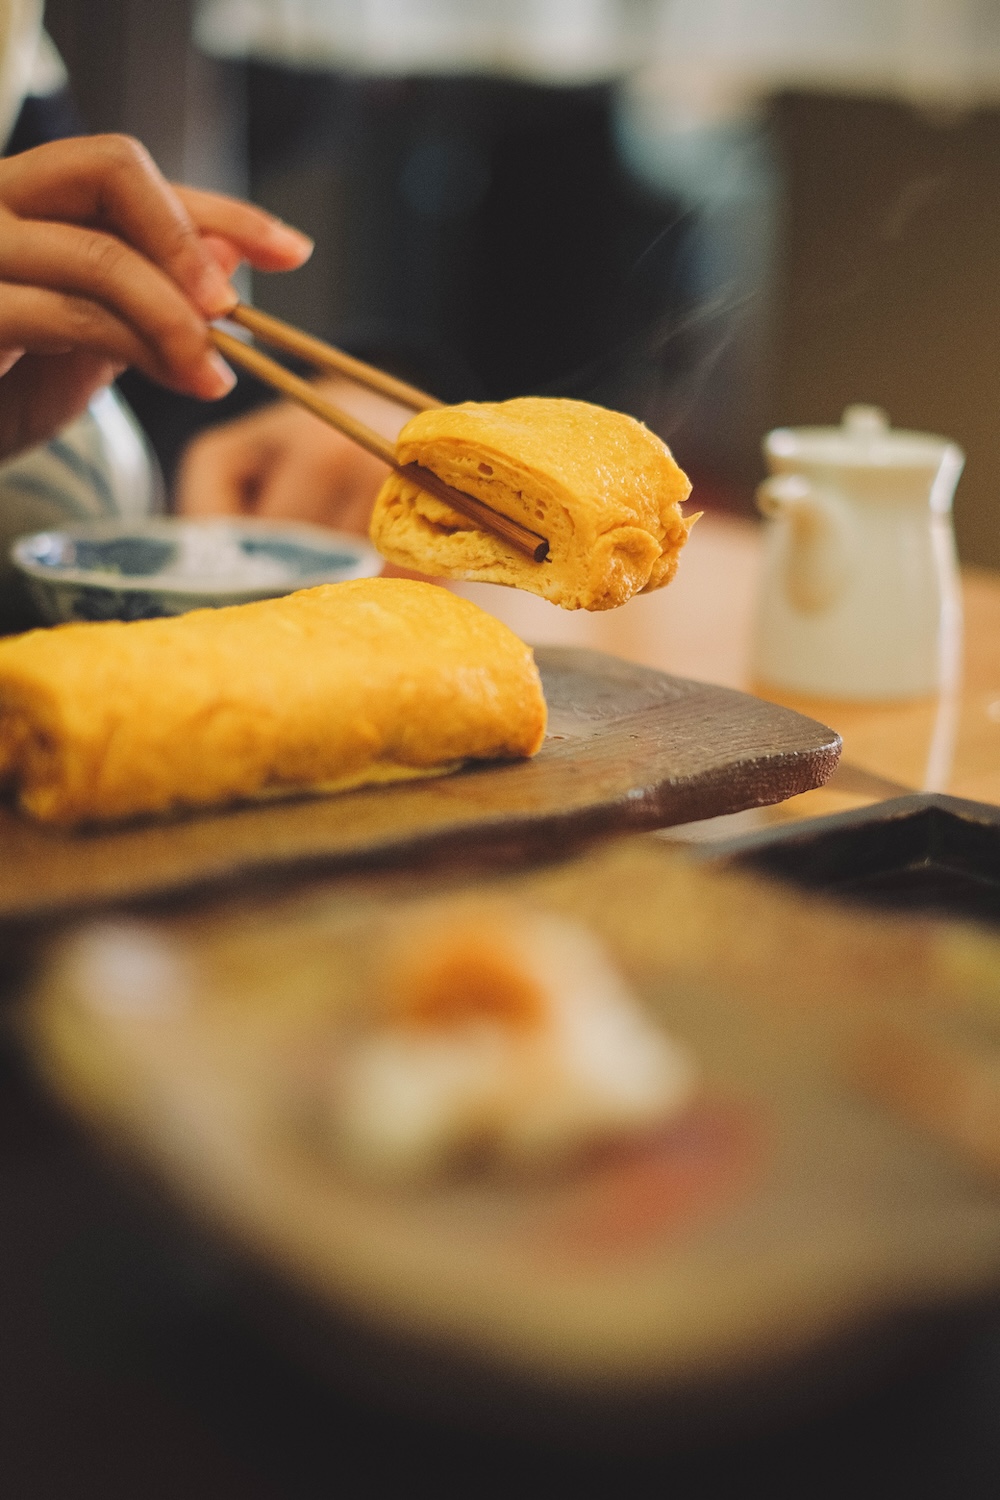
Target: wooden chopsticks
{"type": "Point", "coordinates": [325, 357]}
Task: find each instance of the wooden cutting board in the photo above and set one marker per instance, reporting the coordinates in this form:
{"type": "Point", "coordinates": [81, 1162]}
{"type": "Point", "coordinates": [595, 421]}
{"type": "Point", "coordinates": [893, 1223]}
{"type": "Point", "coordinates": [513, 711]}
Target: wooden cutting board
{"type": "Point", "coordinates": [628, 748]}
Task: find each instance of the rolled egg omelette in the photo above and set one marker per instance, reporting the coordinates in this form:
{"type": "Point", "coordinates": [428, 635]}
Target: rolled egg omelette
{"type": "Point", "coordinates": [331, 688]}
{"type": "Point", "coordinates": [601, 488]}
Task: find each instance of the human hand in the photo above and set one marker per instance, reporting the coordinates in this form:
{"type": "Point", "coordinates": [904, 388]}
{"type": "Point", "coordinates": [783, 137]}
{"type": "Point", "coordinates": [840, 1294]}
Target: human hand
{"type": "Point", "coordinates": [284, 463]}
{"type": "Point", "coordinates": [104, 264]}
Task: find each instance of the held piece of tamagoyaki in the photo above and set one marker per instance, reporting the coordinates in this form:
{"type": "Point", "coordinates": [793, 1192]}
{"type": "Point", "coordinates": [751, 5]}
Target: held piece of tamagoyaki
{"type": "Point", "coordinates": [601, 488]}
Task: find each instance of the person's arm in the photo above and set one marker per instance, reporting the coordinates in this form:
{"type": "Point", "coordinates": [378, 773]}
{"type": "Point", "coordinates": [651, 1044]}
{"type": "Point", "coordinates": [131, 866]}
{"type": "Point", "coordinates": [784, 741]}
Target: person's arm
{"type": "Point", "coordinates": [104, 264]}
{"type": "Point", "coordinates": [284, 463]}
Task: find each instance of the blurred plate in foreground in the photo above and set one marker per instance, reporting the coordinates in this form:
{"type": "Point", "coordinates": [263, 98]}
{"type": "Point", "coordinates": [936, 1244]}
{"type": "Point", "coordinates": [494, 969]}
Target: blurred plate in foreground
{"type": "Point", "coordinates": [785, 1229]}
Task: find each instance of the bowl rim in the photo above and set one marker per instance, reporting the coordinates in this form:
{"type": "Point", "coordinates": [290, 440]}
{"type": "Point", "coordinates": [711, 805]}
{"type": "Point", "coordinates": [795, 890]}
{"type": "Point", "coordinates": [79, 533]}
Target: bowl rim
{"type": "Point", "coordinates": [364, 555]}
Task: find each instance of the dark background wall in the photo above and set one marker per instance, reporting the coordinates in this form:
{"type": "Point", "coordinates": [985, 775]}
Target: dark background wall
{"type": "Point", "coordinates": [889, 289]}
{"type": "Point", "coordinates": [128, 60]}
{"type": "Point", "coordinates": [133, 68]}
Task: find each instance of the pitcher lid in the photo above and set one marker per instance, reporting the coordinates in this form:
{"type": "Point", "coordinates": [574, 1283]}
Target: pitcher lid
{"type": "Point", "coordinates": [864, 439]}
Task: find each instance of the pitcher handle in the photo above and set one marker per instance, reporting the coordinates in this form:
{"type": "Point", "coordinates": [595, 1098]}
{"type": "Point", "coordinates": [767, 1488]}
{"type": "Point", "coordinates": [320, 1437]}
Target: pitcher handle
{"type": "Point", "coordinates": [817, 560]}
{"type": "Point", "coordinates": [778, 494]}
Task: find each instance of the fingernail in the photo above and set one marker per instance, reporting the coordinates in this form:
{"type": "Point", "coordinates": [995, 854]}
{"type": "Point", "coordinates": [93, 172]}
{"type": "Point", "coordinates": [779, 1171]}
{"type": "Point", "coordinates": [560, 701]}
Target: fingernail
{"type": "Point", "coordinates": [215, 295]}
{"type": "Point", "coordinates": [218, 379]}
{"type": "Point", "coordinates": [284, 237]}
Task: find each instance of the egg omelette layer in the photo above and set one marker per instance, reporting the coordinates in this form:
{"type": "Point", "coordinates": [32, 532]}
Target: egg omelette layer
{"type": "Point", "coordinates": [330, 688]}
{"type": "Point", "coordinates": [602, 489]}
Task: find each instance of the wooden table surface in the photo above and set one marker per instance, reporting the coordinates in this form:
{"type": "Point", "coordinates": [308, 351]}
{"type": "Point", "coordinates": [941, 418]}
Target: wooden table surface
{"type": "Point", "coordinates": [701, 627]}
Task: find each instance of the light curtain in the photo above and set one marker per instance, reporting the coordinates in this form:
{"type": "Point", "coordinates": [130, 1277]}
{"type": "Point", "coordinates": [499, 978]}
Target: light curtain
{"type": "Point", "coordinates": [711, 56]}
{"type": "Point", "coordinates": [569, 41]}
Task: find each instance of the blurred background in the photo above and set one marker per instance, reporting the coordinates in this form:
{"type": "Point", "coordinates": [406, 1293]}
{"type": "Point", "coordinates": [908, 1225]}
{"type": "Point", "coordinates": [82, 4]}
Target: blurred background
{"type": "Point", "coordinates": [720, 215]}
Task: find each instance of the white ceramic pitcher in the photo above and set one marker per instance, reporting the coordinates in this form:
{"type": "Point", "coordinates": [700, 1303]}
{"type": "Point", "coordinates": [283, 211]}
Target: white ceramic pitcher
{"type": "Point", "coordinates": [860, 593]}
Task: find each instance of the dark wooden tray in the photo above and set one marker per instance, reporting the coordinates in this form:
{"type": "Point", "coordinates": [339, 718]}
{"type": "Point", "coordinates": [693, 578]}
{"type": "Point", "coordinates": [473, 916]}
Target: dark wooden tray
{"type": "Point", "coordinates": [926, 852]}
{"type": "Point", "coordinates": [628, 748]}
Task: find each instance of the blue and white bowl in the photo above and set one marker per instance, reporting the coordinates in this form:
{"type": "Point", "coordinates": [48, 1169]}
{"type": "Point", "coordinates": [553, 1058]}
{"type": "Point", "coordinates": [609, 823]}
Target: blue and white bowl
{"type": "Point", "coordinates": [139, 570]}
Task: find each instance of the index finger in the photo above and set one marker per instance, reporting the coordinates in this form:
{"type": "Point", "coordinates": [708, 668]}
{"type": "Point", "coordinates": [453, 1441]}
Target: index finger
{"type": "Point", "coordinates": [266, 242]}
